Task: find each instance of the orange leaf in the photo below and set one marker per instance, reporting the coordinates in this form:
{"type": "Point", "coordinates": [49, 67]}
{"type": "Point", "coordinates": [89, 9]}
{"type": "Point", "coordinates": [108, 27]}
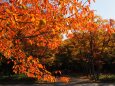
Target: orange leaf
{"type": "Point", "coordinates": [40, 66]}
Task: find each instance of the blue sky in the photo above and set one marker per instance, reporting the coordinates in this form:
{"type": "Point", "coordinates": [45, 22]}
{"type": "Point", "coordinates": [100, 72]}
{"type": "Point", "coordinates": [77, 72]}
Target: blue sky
{"type": "Point", "coordinates": [104, 8]}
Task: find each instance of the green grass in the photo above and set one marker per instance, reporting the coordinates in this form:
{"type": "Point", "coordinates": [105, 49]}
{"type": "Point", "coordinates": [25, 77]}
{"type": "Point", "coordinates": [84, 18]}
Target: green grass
{"type": "Point", "coordinates": [107, 77]}
{"type": "Point", "coordinates": [16, 76]}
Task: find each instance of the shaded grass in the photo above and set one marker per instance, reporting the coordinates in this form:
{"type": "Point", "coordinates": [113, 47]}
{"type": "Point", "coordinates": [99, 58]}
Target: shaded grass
{"type": "Point", "coordinates": [17, 78]}
{"type": "Point", "coordinates": [23, 79]}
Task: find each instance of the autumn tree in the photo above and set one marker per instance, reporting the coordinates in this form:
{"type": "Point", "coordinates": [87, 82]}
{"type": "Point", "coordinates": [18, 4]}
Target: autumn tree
{"type": "Point", "coordinates": [92, 42]}
{"type": "Point", "coordinates": [29, 28]}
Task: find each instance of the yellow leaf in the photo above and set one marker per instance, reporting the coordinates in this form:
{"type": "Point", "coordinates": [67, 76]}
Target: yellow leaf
{"type": "Point", "coordinates": [42, 22]}
{"type": "Point", "coordinates": [8, 11]}
{"type": "Point", "coordinates": [33, 19]}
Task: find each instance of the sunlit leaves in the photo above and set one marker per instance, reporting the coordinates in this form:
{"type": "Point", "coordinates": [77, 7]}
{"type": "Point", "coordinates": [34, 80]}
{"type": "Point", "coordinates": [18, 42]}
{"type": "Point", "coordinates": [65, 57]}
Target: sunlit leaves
{"type": "Point", "coordinates": [29, 28]}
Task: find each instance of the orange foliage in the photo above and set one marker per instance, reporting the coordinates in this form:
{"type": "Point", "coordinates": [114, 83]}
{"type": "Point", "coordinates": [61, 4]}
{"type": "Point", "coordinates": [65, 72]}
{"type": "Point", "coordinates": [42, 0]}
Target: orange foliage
{"type": "Point", "coordinates": [28, 25]}
{"type": "Point", "coordinates": [64, 79]}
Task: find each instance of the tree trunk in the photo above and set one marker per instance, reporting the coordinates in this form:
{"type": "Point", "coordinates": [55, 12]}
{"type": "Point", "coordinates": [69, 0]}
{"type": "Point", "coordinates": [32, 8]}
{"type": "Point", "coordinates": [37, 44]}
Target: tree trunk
{"type": "Point", "coordinates": [93, 74]}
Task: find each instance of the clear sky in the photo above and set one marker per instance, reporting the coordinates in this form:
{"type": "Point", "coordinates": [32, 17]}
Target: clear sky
{"type": "Point", "coordinates": [104, 8]}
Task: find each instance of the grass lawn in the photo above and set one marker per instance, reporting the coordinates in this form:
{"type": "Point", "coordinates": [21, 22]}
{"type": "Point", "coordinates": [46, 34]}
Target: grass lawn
{"type": "Point", "coordinates": [107, 78]}
{"type": "Point", "coordinates": [22, 79]}
{"type": "Point", "coordinates": [14, 79]}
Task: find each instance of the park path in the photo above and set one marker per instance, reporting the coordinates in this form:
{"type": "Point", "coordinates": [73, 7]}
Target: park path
{"type": "Point", "coordinates": [73, 82]}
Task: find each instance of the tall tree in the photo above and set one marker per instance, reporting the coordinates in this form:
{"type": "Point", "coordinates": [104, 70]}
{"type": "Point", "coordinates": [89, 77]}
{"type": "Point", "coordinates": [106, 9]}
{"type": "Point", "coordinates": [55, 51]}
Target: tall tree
{"type": "Point", "coordinates": [28, 28]}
